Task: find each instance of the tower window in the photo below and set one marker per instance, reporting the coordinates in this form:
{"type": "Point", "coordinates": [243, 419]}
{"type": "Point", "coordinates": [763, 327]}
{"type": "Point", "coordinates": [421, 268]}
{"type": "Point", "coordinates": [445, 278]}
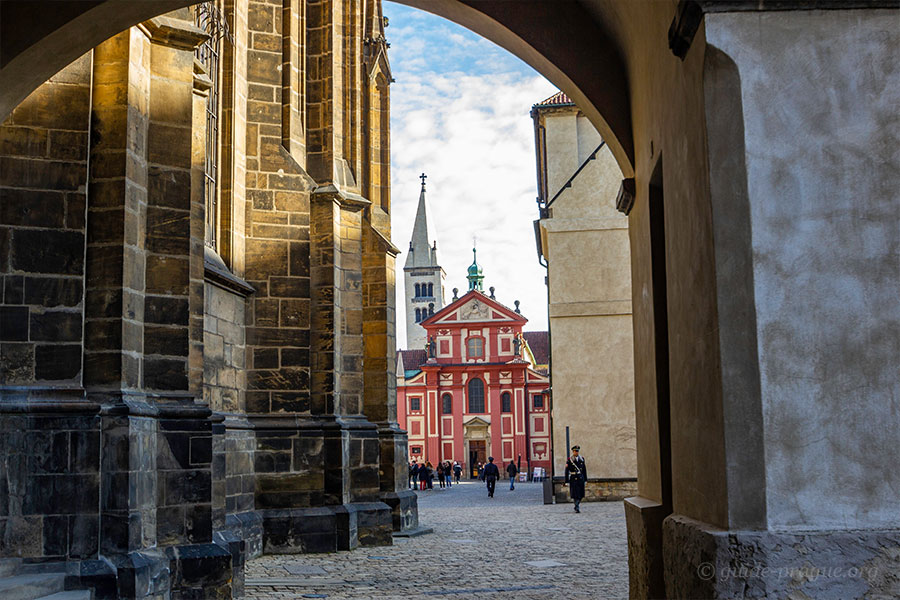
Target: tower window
{"type": "Point", "coordinates": [475, 347]}
{"type": "Point", "coordinates": [430, 290]}
{"type": "Point", "coordinates": [418, 315]}
{"type": "Point", "coordinates": [446, 404]}
{"type": "Point", "coordinates": [431, 309]}
{"type": "Point", "coordinates": [506, 402]}
{"type": "Point", "coordinates": [418, 290]}
{"type": "Point", "coordinates": [476, 396]}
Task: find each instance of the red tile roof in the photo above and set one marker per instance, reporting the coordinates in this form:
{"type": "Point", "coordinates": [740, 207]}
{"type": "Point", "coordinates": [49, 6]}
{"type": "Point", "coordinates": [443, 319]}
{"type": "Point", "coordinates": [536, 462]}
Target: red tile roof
{"type": "Point", "coordinates": [412, 359]}
{"type": "Point", "coordinates": [539, 342]}
{"type": "Point", "coordinates": [557, 99]}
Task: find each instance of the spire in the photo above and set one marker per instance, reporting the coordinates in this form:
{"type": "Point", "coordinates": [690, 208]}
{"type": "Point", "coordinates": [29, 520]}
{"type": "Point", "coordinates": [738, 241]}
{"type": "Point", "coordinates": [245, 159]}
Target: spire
{"type": "Point", "coordinates": [422, 249]}
{"type": "Point", "coordinates": [475, 276]}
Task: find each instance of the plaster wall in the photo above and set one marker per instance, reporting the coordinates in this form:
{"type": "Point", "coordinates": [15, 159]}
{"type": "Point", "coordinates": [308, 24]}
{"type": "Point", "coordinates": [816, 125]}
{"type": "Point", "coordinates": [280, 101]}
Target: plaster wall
{"type": "Point", "coordinates": [823, 219]}
{"type": "Point", "coordinates": [590, 300]}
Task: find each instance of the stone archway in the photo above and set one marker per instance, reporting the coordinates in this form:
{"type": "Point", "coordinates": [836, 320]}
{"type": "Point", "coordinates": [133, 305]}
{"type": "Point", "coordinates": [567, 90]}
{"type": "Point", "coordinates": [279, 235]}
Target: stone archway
{"type": "Point", "coordinates": [825, 342]}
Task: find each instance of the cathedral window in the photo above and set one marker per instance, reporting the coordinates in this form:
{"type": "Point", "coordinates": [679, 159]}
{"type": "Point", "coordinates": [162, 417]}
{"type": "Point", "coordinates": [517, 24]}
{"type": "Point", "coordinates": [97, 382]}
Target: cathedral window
{"type": "Point", "coordinates": [415, 404]}
{"type": "Point", "coordinates": [430, 309]}
{"type": "Point", "coordinates": [446, 404]}
{"type": "Point", "coordinates": [430, 290]}
{"type": "Point", "coordinates": [208, 17]}
{"type": "Point", "coordinates": [475, 347]}
{"type": "Point", "coordinates": [418, 290]}
{"type": "Point", "coordinates": [418, 315]}
{"type": "Point", "coordinates": [506, 402]}
{"type": "Point", "coordinates": [538, 401]}
{"type": "Point", "coordinates": [476, 396]}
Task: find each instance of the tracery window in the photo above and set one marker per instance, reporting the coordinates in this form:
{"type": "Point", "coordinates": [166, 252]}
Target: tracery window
{"type": "Point", "coordinates": [476, 396]}
{"type": "Point", "coordinates": [506, 402]}
{"type": "Point", "coordinates": [210, 19]}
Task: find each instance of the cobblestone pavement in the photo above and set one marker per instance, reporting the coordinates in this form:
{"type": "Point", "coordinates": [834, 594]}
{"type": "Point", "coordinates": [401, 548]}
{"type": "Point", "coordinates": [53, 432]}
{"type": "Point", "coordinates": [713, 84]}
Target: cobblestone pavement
{"type": "Point", "coordinates": [481, 548]}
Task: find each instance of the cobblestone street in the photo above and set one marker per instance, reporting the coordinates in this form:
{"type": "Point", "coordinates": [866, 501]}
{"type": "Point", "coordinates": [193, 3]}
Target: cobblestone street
{"type": "Point", "coordinates": [510, 546]}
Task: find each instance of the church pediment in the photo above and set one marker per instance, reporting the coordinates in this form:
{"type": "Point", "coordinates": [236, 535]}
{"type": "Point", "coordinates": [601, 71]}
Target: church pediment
{"type": "Point", "coordinates": [476, 422]}
{"type": "Point", "coordinates": [474, 307]}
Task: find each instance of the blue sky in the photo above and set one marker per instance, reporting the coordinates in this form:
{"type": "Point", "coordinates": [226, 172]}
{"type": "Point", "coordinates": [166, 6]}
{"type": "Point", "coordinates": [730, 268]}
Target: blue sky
{"type": "Point", "coordinates": [460, 113]}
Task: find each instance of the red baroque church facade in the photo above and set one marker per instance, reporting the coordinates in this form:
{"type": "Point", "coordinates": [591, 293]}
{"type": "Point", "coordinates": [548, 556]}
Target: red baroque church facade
{"type": "Point", "coordinates": [480, 388]}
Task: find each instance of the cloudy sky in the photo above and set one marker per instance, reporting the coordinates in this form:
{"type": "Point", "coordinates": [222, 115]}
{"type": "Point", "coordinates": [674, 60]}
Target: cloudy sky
{"type": "Point", "coordinates": [460, 113]}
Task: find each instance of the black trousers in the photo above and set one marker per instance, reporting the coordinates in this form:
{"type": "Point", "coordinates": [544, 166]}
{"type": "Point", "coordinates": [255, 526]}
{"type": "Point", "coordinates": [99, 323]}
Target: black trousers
{"type": "Point", "coordinates": [491, 484]}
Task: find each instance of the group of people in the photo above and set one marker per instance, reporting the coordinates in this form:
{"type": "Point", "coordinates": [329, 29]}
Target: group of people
{"type": "Point", "coordinates": [422, 474]}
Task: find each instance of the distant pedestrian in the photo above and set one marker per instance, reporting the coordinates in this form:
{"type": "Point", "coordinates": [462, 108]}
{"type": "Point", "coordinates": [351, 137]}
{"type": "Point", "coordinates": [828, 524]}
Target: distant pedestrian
{"type": "Point", "coordinates": [457, 470]}
{"type": "Point", "coordinates": [413, 474]}
{"type": "Point", "coordinates": [448, 472]}
{"type": "Point", "coordinates": [491, 475]}
{"type": "Point", "coordinates": [429, 475]}
{"type": "Point", "coordinates": [576, 476]}
{"type": "Point", "coordinates": [512, 470]}
{"type": "Point", "coordinates": [481, 471]}
{"type": "Point", "coordinates": [440, 475]}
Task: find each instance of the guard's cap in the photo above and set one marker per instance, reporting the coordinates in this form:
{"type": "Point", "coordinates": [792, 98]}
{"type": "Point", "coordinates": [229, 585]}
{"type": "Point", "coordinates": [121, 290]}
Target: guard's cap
{"type": "Point", "coordinates": [490, 459]}
{"type": "Point", "coordinates": [576, 448]}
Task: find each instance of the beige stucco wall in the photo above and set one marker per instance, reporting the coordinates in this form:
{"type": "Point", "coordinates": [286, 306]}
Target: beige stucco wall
{"type": "Point", "coordinates": [589, 277]}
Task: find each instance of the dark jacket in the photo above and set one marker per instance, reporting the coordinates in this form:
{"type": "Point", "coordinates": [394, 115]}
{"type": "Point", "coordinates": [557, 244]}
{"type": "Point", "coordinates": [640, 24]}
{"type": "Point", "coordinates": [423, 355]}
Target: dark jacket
{"type": "Point", "coordinates": [511, 469]}
{"type": "Point", "coordinates": [576, 476]}
{"type": "Point", "coordinates": [491, 470]}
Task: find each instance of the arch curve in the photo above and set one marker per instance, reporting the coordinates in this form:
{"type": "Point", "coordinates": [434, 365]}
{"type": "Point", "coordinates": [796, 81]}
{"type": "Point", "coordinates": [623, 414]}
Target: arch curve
{"type": "Point", "coordinates": [566, 45]}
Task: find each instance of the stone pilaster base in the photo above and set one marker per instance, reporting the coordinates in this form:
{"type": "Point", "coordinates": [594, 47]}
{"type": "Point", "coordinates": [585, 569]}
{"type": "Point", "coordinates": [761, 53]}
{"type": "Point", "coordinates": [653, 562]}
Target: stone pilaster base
{"type": "Point", "coordinates": [178, 572]}
{"type": "Point", "coordinates": [702, 561]}
{"type": "Point", "coordinates": [644, 520]}
{"type": "Point", "coordinates": [404, 509]}
{"type": "Point", "coordinates": [326, 528]}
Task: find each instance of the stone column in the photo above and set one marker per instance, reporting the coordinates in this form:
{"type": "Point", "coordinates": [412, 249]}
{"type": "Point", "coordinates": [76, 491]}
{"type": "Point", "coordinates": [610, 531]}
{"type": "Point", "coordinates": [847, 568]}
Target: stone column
{"type": "Point", "coordinates": [379, 363]}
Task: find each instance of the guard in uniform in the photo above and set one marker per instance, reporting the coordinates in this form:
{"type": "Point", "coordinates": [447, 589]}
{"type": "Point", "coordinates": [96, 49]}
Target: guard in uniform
{"type": "Point", "coordinates": [576, 476]}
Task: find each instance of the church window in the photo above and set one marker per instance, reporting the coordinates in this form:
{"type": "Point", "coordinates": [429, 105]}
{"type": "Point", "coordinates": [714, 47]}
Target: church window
{"type": "Point", "coordinates": [430, 290]}
{"type": "Point", "coordinates": [430, 309]}
{"type": "Point", "coordinates": [506, 402]}
{"type": "Point", "coordinates": [538, 401]}
{"type": "Point", "coordinates": [418, 313]}
{"type": "Point", "coordinates": [415, 404]}
{"type": "Point", "coordinates": [475, 347]}
{"type": "Point", "coordinates": [416, 450]}
{"type": "Point", "coordinates": [209, 18]}
{"type": "Point", "coordinates": [418, 290]}
{"type": "Point", "coordinates": [446, 404]}
{"type": "Point", "coordinates": [476, 396]}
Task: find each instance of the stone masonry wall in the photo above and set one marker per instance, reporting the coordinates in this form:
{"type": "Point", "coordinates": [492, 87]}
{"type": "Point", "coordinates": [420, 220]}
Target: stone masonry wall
{"type": "Point", "coordinates": [43, 173]}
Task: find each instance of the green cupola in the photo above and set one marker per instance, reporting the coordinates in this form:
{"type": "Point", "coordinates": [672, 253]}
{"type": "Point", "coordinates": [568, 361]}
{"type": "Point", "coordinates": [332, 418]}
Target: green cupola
{"type": "Point", "coordinates": [475, 277]}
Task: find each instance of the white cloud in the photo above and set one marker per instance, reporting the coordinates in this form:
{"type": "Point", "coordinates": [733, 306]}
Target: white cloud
{"type": "Point", "coordinates": [460, 113]}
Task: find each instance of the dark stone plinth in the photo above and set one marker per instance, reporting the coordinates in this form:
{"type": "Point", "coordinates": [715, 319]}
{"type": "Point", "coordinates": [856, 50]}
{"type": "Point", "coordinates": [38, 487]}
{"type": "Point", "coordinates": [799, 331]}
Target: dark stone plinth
{"type": "Point", "coordinates": [327, 528]}
{"type": "Point", "coordinates": [703, 561]}
{"type": "Point", "coordinates": [142, 575]}
{"type": "Point", "coordinates": [404, 509]}
{"type": "Point", "coordinates": [200, 571]}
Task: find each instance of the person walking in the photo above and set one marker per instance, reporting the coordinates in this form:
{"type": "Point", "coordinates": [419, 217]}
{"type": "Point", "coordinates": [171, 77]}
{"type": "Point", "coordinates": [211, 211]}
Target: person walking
{"type": "Point", "coordinates": [413, 474]}
{"type": "Point", "coordinates": [457, 470]}
{"type": "Point", "coordinates": [576, 476]}
{"type": "Point", "coordinates": [440, 474]}
{"type": "Point", "coordinates": [481, 471]}
{"type": "Point", "coordinates": [491, 475]}
{"type": "Point", "coordinates": [512, 470]}
{"type": "Point", "coordinates": [448, 472]}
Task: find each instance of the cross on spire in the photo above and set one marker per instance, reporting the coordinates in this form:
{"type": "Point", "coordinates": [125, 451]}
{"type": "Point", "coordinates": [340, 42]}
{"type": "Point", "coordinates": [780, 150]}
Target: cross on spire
{"type": "Point", "coordinates": [423, 177]}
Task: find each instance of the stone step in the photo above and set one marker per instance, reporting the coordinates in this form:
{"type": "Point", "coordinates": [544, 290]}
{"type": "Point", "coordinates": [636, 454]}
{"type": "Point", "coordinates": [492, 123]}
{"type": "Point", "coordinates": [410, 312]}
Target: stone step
{"type": "Point", "coordinates": [32, 586]}
{"type": "Point", "coordinates": [9, 566]}
{"type": "Point", "coordinates": [70, 595]}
